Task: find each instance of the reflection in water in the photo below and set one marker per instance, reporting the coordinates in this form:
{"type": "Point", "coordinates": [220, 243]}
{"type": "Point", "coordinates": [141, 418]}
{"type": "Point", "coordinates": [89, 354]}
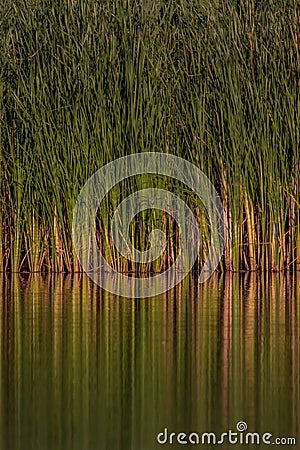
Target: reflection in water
{"type": "Point", "coordinates": [81, 369]}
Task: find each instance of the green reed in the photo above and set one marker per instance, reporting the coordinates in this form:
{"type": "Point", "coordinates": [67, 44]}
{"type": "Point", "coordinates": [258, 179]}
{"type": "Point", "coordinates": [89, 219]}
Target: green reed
{"type": "Point", "coordinates": [83, 83]}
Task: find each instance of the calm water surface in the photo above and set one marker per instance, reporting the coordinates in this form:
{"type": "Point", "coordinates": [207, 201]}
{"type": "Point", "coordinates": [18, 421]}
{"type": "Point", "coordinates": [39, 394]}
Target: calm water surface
{"type": "Point", "coordinates": [81, 369]}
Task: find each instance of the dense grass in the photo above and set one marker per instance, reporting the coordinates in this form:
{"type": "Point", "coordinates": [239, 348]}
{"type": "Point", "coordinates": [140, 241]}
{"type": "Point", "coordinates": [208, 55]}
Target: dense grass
{"type": "Point", "coordinates": [85, 82]}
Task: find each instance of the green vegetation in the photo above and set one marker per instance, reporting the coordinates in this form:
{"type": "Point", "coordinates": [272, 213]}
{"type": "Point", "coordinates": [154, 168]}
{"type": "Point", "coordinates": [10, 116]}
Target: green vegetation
{"type": "Point", "coordinates": [85, 82]}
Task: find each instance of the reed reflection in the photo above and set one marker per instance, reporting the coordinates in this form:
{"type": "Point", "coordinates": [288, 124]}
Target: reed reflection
{"type": "Point", "coordinates": [83, 369]}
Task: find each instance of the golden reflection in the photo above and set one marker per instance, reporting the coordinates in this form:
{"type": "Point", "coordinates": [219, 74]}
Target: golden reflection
{"type": "Point", "coordinates": [83, 369]}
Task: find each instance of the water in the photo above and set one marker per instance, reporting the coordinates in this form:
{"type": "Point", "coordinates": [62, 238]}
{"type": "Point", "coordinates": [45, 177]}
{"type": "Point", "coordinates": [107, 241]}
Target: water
{"type": "Point", "coordinates": [81, 369]}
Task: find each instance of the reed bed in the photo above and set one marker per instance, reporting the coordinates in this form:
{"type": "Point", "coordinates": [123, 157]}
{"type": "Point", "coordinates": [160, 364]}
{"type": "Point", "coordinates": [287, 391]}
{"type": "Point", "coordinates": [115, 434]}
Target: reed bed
{"type": "Point", "coordinates": [85, 82]}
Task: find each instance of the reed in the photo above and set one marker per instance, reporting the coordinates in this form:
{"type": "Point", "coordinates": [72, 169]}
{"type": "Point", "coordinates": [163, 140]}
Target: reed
{"type": "Point", "coordinates": [83, 83]}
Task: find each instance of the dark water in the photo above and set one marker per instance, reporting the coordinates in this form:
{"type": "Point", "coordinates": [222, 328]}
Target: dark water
{"type": "Point", "coordinates": [81, 369]}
